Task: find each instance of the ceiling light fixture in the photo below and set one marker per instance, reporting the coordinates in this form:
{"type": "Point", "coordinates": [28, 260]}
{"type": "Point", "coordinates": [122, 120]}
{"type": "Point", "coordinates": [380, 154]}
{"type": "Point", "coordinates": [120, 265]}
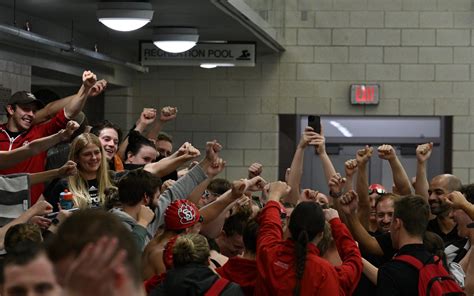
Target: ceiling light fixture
{"type": "Point", "coordinates": [124, 16]}
{"type": "Point", "coordinates": [215, 65]}
{"type": "Point", "coordinates": [175, 39]}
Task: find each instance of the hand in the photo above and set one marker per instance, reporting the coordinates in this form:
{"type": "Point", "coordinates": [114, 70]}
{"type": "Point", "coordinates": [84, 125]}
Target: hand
{"type": "Point", "coordinates": [63, 215]}
{"type": "Point", "coordinates": [330, 214]}
{"type": "Point", "coordinates": [98, 88]}
{"type": "Point", "coordinates": [145, 216]}
{"type": "Point", "coordinates": [255, 184]}
{"type": "Point", "coordinates": [456, 200]}
{"type": "Point", "coordinates": [308, 137]}
{"type": "Point", "coordinates": [215, 168]}
{"type": "Point", "coordinates": [41, 208]}
{"type": "Point", "coordinates": [188, 151]}
{"type": "Point", "coordinates": [68, 169]}
{"type": "Point", "coordinates": [309, 194]}
{"type": "Point", "coordinates": [168, 113]}
{"type": "Point", "coordinates": [88, 79]}
{"type": "Point", "coordinates": [66, 133]}
{"type": "Point", "coordinates": [363, 155]}
{"type": "Point", "coordinates": [387, 152]}
{"type": "Point", "coordinates": [255, 169]}
{"type": "Point", "coordinates": [96, 269]}
{"type": "Point", "coordinates": [238, 188]}
{"type": "Point", "coordinates": [319, 143]}
{"type": "Point", "coordinates": [336, 183]}
{"type": "Point", "coordinates": [350, 167]}
{"type": "Point", "coordinates": [423, 152]}
{"type": "Point", "coordinates": [147, 117]}
{"type": "Point", "coordinates": [42, 222]}
{"type": "Point", "coordinates": [212, 150]}
{"type": "Point", "coordinates": [349, 202]}
{"type": "Point", "coordinates": [277, 190]}
{"type": "Point", "coordinates": [167, 184]}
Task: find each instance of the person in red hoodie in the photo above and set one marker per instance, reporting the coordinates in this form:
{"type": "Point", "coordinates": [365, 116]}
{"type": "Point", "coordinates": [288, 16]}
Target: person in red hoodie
{"type": "Point", "coordinates": [21, 127]}
{"type": "Point", "coordinates": [243, 270]}
{"type": "Point", "coordinates": [293, 266]}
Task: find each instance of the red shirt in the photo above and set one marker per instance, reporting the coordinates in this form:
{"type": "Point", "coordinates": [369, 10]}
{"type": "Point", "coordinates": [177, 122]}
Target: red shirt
{"type": "Point", "coordinates": [276, 260]}
{"type": "Point", "coordinates": [240, 271]}
{"type": "Point", "coordinates": [36, 163]}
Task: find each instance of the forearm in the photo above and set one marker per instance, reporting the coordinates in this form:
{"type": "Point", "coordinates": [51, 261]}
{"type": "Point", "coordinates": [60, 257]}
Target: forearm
{"type": "Point", "coordinates": [165, 166]}
{"type": "Point", "coordinates": [421, 184]}
{"type": "Point", "coordinates": [469, 280]}
{"type": "Point", "coordinates": [155, 130]}
{"type": "Point", "coordinates": [212, 229]}
{"type": "Point", "coordinates": [362, 189]}
{"type": "Point", "coordinates": [51, 109]}
{"type": "Point", "coordinates": [196, 195]}
{"type": "Point", "coordinates": [468, 208]}
{"type": "Point", "coordinates": [370, 271]}
{"type": "Point", "coordinates": [365, 240]}
{"type": "Point", "coordinates": [45, 176]}
{"type": "Point", "coordinates": [10, 158]}
{"type": "Point", "coordinates": [328, 167]}
{"type": "Point", "coordinates": [400, 177]}
{"type": "Point", "coordinates": [349, 180]}
{"type": "Point", "coordinates": [294, 177]}
{"type": "Point", "coordinates": [76, 104]}
{"type": "Point", "coordinates": [215, 208]}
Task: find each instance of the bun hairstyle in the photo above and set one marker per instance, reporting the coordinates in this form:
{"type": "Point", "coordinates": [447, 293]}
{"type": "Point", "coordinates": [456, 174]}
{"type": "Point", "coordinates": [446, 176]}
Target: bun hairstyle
{"type": "Point", "coordinates": [136, 141]}
{"type": "Point", "coordinates": [307, 221]}
{"type": "Point", "coordinates": [190, 248]}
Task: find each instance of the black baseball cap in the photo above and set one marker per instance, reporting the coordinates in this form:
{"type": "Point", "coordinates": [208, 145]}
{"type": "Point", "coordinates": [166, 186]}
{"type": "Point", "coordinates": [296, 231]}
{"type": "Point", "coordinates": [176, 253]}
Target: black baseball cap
{"type": "Point", "coordinates": [23, 98]}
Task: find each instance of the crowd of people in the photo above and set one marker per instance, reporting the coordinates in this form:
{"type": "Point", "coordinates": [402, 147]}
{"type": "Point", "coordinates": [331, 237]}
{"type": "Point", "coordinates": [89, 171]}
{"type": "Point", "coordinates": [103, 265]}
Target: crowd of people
{"type": "Point", "coordinates": [147, 217]}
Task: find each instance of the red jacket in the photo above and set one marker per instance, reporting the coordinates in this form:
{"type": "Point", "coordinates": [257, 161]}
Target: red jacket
{"type": "Point", "coordinates": [36, 163]}
{"type": "Point", "coordinates": [276, 261]}
{"type": "Point", "coordinates": [240, 271]}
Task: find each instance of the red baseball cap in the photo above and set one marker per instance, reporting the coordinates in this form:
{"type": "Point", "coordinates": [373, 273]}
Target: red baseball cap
{"type": "Point", "coordinates": [181, 214]}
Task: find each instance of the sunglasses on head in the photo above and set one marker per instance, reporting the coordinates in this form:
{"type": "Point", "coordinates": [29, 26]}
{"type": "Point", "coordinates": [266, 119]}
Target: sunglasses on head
{"type": "Point", "coordinates": [379, 191]}
{"type": "Point", "coordinates": [208, 193]}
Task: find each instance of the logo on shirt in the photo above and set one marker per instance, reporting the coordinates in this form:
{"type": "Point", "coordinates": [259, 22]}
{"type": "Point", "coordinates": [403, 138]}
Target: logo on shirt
{"type": "Point", "coordinates": [186, 214]}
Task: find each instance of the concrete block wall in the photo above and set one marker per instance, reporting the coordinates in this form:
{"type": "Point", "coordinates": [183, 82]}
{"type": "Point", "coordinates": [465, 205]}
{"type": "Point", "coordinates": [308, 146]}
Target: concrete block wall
{"type": "Point", "coordinates": [420, 51]}
{"type": "Point", "coordinates": [15, 76]}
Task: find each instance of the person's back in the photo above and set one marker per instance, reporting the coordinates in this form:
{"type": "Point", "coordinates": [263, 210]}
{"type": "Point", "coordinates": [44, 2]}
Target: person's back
{"type": "Point", "coordinates": [410, 220]}
{"type": "Point", "coordinates": [293, 266]}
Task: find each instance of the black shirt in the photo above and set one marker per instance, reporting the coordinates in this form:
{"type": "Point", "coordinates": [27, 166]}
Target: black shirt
{"type": "Point", "coordinates": [453, 243]}
{"type": "Point", "coordinates": [400, 278]}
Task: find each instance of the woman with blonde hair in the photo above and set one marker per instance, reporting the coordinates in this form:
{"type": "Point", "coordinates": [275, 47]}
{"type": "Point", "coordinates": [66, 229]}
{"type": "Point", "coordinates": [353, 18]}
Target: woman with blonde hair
{"type": "Point", "coordinates": [88, 186]}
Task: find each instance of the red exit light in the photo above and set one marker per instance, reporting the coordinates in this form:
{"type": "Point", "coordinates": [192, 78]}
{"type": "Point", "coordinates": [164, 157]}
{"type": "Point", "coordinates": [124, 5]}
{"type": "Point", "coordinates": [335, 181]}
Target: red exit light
{"type": "Point", "coordinates": [365, 94]}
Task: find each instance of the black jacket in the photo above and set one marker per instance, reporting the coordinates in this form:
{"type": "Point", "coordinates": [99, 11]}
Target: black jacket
{"type": "Point", "coordinates": [192, 280]}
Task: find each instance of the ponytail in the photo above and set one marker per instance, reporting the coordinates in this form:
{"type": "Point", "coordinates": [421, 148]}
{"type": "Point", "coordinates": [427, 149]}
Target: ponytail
{"type": "Point", "coordinates": [300, 250]}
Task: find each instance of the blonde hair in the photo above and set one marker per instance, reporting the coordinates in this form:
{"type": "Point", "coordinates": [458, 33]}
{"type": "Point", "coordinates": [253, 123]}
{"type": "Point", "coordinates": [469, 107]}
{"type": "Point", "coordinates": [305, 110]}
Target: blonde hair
{"type": "Point", "coordinates": [77, 183]}
{"type": "Point", "coordinates": [190, 248]}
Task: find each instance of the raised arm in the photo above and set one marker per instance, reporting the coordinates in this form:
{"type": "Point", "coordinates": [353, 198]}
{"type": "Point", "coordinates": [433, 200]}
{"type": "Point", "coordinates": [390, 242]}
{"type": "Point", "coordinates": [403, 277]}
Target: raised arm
{"type": "Point", "coordinates": [169, 164]}
{"type": "Point", "coordinates": [457, 201]}
{"type": "Point", "coordinates": [320, 148]}
{"type": "Point", "coordinates": [423, 153]}
{"type": "Point", "coordinates": [50, 110]}
{"type": "Point", "coordinates": [351, 268]}
{"type": "Point", "coordinates": [166, 114]}
{"type": "Point", "coordinates": [296, 170]}
{"type": "Point", "coordinates": [68, 169]}
{"type": "Point", "coordinates": [212, 171]}
{"type": "Point", "coordinates": [362, 185]}
{"type": "Point", "coordinates": [146, 118]}
{"type": "Point", "coordinates": [348, 204]}
{"type": "Point", "coordinates": [77, 103]}
{"type": "Point", "coordinates": [400, 177]}
{"type": "Point", "coordinates": [12, 157]}
{"type": "Point", "coordinates": [350, 167]}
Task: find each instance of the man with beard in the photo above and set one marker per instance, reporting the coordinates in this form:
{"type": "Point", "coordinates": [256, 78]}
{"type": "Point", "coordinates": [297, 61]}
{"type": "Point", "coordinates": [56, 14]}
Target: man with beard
{"type": "Point", "coordinates": [139, 191]}
{"type": "Point", "coordinates": [384, 212]}
{"type": "Point", "coordinates": [443, 224]}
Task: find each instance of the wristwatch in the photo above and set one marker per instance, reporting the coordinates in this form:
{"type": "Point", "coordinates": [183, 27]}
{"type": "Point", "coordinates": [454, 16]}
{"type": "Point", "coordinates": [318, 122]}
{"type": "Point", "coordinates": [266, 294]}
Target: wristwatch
{"type": "Point", "coordinates": [335, 194]}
